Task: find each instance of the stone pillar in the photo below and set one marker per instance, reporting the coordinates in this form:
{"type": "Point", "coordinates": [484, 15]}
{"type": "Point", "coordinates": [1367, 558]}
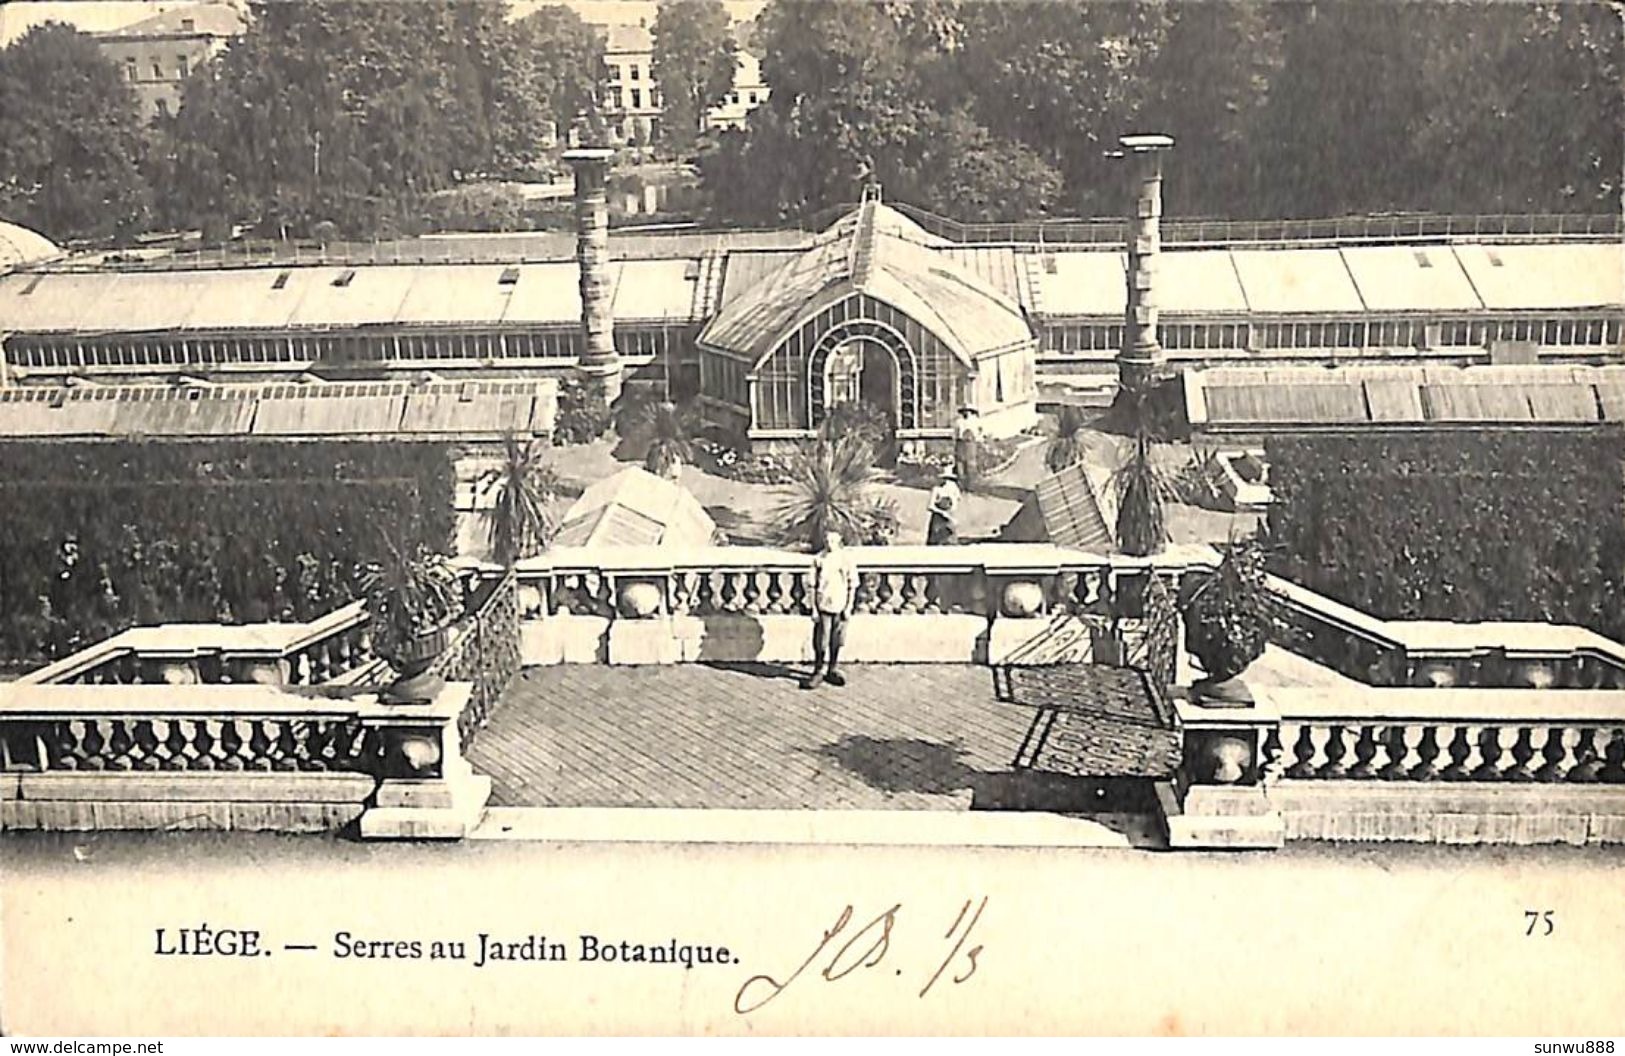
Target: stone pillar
{"type": "Point", "coordinates": [1140, 359]}
{"type": "Point", "coordinates": [599, 366]}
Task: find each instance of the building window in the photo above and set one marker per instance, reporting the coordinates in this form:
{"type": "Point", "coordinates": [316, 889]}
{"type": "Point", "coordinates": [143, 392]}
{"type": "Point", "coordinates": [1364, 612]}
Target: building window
{"type": "Point", "coordinates": [632, 71]}
{"type": "Point", "coordinates": [163, 107]}
{"type": "Point", "coordinates": [157, 70]}
{"type": "Point", "coordinates": [752, 97]}
{"type": "Point", "coordinates": [614, 72]}
{"type": "Point", "coordinates": [129, 70]}
{"type": "Point", "coordinates": [182, 68]}
{"type": "Point", "coordinates": [637, 99]}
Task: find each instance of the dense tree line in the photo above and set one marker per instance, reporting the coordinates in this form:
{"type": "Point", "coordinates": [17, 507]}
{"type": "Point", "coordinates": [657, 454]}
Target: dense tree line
{"type": "Point", "coordinates": [342, 112]}
{"type": "Point", "coordinates": [1301, 109]}
{"type": "Point", "coordinates": [354, 113]}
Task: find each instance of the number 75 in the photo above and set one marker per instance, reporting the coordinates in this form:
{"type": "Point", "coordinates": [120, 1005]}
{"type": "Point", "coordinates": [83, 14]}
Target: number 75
{"type": "Point", "coordinates": [1539, 919]}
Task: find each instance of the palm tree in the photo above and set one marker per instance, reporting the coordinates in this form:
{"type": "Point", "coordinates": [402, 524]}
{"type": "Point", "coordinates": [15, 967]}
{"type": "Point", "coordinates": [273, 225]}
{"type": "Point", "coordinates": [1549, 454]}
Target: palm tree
{"type": "Point", "coordinates": [1070, 444]}
{"type": "Point", "coordinates": [1143, 487]}
{"type": "Point", "coordinates": [518, 523]}
{"type": "Point", "coordinates": [669, 429]}
{"type": "Point", "coordinates": [830, 490]}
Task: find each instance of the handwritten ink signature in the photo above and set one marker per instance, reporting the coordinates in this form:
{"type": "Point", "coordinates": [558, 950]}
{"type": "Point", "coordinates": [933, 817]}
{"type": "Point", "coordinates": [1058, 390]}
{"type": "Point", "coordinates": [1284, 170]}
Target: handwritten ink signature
{"type": "Point", "coordinates": [866, 948]}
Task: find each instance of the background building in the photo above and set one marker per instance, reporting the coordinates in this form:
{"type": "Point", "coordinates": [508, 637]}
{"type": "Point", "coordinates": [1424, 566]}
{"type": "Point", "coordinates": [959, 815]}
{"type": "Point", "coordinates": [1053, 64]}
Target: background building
{"type": "Point", "coordinates": [158, 54]}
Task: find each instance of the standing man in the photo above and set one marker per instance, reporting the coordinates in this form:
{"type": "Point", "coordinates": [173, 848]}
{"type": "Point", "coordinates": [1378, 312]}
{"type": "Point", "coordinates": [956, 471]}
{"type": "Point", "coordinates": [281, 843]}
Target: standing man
{"type": "Point", "coordinates": [967, 438]}
{"type": "Point", "coordinates": [835, 591]}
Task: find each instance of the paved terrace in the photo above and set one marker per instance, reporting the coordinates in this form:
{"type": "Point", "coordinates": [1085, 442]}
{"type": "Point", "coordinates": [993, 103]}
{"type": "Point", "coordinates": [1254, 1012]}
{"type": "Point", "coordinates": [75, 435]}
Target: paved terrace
{"type": "Point", "coordinates": [916, 736]}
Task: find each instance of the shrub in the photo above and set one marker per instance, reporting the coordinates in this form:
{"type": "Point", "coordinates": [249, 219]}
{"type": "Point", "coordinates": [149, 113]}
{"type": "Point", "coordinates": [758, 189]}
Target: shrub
{"type": "Point", "coordinates": [1464, 525]}
{"type": "Point", "coordinates": [581, 418]}
{"type": "Point", "coordinates": [477, 207]}
{"type": "Point", "coordinates": [97, 538]}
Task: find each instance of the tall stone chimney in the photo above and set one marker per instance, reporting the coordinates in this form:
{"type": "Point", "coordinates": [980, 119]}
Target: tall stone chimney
{"type": "Point", "coordinates": [599, 366]}
{"type": "Point", "coordinates": [1140, 361]}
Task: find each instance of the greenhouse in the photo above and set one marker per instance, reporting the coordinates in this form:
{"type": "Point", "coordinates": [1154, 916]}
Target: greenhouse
{"type": "Point", "coordinates": [870, 312]}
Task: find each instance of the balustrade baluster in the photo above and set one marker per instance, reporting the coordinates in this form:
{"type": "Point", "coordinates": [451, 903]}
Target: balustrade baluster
{"type": "Point", "coordinates": [1398, 750]}
{"type": "Point", "coordinates": [203, 744]}
{"type": "Point", "coordinates": [705, 598]}
{"type": "Point", "coordinates": [1303, 754]}
{"type": "Point", "coordinates": [1555, 753]}
{"type": "Point", "coordinates": [916, 594]}
{"type": "Point", "coordinates": [1523, 751]}
{"type": "Point", "coordinates": [682, 592]}
{"type": "Point", "coordinates": [776, 600]}
{"type": "Point", "coordinates": [1270, 762]}
{"type": "Point", "coordinates": [119, 743]}
{"type": "Point", "coordinates": [732, 597]}
{"type": "Point", "coordinates": [1587, 759]}
{"type": "Point", "coordinates": [145, 751]}
{"type": "Point", "coordinates": [285, 752]}
{"type": "Point", "coordinates": [1613, 756]}
{"type": "Point", "coordinates": [755, 591]}
{"type": "Point", "coordinates": [889, 597]}
{"type": "Point", "coordinates": [1489, 750]}
{"type": "Point", "coordinates": [317, 746]}
{"type": "Point", "coordinates": [868, 596]}
{"type": "Point", "coordinates": [1460, 750]}
{"type": "Point", "coordinates": [231, 746]}
{"type": "Point", "coordinates": [92, 745]}
{"type": "Point", "coordinates": [1336, 750]}
{"type": "Point", "coordinates": [174, 745]}
{"type": "Point", "coordinates": [62, 747]}
{"type": "Point", "coordinates": [259, 746]}
{"type": "Point", "coordinates": [1427, 753]}
{"type": "Point", "coordinates": [1365, 753]}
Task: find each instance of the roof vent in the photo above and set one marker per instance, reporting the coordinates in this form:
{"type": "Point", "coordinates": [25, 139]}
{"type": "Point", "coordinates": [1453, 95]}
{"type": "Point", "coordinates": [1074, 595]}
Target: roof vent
{"type": "Point", "coordinates": [1495, 259]}
{"type": "Point", "coordinates": [281, 280]}
{"type": "Point", "coordinates": [510, 277]}
{"type": "Point", "coordinates": [188, 25]}
{"type": "Point", "coordinates": [691, 270]}
{"type": "Point", "coordinates": [32, 283]}
{"type": "Point", "coordinates": [1422, 260]}
{"type": "Point", "coordinates": [346, 277]}
{"type": "Point", "coordinates": [467, 392]}
{"type": "Point", "coordinates": [1049, 263]}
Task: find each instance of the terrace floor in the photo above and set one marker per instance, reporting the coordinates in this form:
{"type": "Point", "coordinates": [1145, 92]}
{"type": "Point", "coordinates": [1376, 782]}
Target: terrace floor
{"type": "Point", "coordinates": [917, 736]}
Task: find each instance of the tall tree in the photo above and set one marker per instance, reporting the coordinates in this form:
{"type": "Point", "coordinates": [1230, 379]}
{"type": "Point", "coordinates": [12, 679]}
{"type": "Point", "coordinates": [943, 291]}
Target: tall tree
{"type": "Point", "coordinates": [694, 63]}
{"type": "Point", "coordinates": [70, 138]}
{"type": "Point", "coordinates": [1210, 87]}
{"type": "Point", "coordinates": [556, 73]}
{"type": "Point", "coordinates": [352, 112]}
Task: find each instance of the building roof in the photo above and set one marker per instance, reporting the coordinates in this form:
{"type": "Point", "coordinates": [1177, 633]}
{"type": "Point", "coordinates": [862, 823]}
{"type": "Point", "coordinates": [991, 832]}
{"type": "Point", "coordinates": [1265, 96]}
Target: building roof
{"type": "Point", "coordinates": [325, 297]}
{"type": "Point", "coordinates": [21, 246]}
{"type": "Point", "coordinates": [208, 20]}
{"type": "Point", "coordinates": [636, 508]}
{"type": "Point", "coordinates": [1076, 507]}
{"type": "Point", "coordinates": [877, 251]}
{"type": "Point", "coordinates": [471, 410]}
{"type": "Point", "coordinates": [1350, 280]}
{"type": "Point", "coordinates": [627, 40]}
{"type": "Point", "coordinates": [1269, 398]}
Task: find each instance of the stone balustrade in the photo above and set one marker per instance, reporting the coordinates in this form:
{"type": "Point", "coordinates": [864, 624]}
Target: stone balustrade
{"type": "Point", "coordinates": [1404, 734]}
{"type": "Point", "coordinates": [978, 603]}
{"type": "Point", "coordinates": [103, 756]}
{"type": "Point", "coordinates": [1356, 762]}
{"type": "Point", "coordinates": [336, 648]}
{"type": "Point", "coordinates": [1440, 654]}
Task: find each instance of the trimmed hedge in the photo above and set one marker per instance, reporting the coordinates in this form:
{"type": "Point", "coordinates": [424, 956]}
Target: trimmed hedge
{"type": "Point", "coordinates": [1462, 525]}
{"type": "Point", "coordinates": [97, 538]}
